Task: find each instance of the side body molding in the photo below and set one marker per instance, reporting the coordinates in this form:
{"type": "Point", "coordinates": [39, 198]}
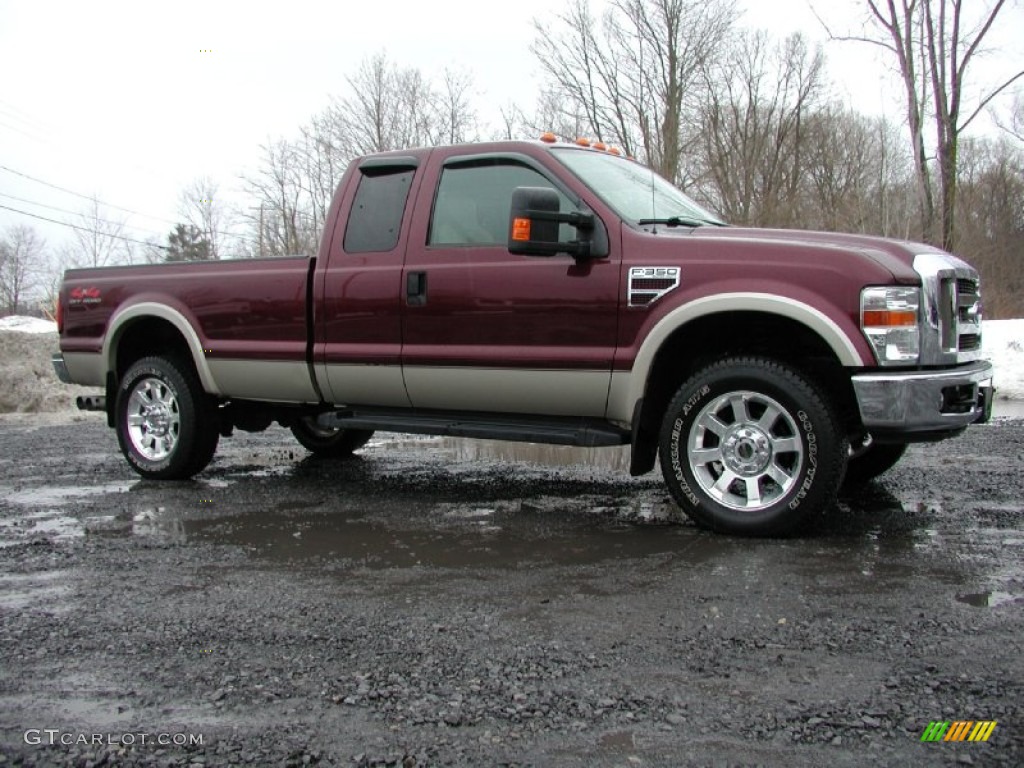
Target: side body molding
{"type": "Point", "coordinates": [628, 386]}
{"type": "Point", "coordinates": [153, 309]}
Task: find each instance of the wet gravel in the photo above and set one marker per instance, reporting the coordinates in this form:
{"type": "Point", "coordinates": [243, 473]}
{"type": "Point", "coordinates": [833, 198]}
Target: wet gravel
{"type": "Point", "coordinates": [457, 603]}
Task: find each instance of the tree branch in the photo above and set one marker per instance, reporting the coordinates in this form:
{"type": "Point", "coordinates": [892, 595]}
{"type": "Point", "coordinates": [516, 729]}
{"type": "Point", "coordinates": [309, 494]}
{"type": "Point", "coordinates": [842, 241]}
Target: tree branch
{"type": "Point", "coordinates": [985, 102]}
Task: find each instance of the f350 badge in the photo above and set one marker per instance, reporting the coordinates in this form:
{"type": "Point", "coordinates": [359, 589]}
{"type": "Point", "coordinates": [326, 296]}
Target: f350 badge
{"type": "Point", "coordinates": [648, 284]}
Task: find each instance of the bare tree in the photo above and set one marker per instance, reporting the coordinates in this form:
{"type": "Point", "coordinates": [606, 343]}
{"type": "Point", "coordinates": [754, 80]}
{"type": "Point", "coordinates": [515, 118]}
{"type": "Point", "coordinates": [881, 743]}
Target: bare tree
{"type": "Point", "coordinates": [22, 265]}
{"type": "Point", "coordinates": [455, 114]}
{"type": "Point", "coordinates": [934, 44]}
{"type": "Point", "coordinates": [838, 169]}
{"type": "Point", "coordinates": [200, 206]}
{"type": "Point", "coordinates": [387, 107]}
{"type": "Point", "coordinates": [384, 107]}
{"type": "Point", "coordinates": [554, 113]}
{"type": "Point", "coordinates": [1015, 125]}
{"type": "Point", "coordinates": [758, 100]}
{"type": "Point", "coordinates": [279, 217]}
{"type": "Point", "coordinates": [514, 123]}
{"type": "Point", "coordinates": [991, 221]}
{"type": "Point", "coordinates": [636, 76]}
{"type": "Point", "coordinates": [97, 240]}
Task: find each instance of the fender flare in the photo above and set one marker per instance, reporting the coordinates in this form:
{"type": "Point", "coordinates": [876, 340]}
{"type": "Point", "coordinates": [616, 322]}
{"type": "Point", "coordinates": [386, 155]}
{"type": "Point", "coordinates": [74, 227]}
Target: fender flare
{"type": "Point", "coordinates": [148, 309]}
{"type": "Point", "coordinates": [627, 392]}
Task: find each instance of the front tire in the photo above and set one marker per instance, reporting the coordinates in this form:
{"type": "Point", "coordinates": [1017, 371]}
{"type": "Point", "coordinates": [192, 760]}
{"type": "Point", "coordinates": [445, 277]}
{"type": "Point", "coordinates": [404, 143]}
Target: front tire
{"type": "Point", "coordinates": [166, 424]}
{"type": "Point", "coordinates": [750, 446]}
{"type": "Point", "coordinates": [327, 442]}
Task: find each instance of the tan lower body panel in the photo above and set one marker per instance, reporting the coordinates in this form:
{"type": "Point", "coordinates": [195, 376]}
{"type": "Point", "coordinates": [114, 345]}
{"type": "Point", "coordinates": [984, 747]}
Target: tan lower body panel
{"type": "Point", "coordinates": [364, 385]}
{"type": "Point", "coordinates": [504, 390]}
{"type": "Point", "coordinates": [268, 380]}
{"type": "Point", "coordinates": [620, 394]}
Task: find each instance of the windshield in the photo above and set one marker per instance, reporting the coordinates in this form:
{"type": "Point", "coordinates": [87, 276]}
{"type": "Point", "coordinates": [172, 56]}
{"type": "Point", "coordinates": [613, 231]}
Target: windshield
{"type": "Point", "coordinates": [635, 193]}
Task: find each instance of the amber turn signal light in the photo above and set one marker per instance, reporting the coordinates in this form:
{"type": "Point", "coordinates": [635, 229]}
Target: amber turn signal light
{"type": "Point", "coordinates": [521, 229]}
{"type": "Point", "coordinates": [888, 318]}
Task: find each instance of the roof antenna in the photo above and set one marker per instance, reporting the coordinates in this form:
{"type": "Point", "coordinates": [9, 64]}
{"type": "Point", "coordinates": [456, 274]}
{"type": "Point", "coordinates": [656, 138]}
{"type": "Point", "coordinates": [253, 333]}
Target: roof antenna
{"type": "Point", "coordinates": [654, 206]}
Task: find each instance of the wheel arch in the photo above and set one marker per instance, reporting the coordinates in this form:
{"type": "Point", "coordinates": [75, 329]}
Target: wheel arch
{"type": "Point", "coordinates": [692, 337]}
{"type": "Point", "coordinates": [150, 328]}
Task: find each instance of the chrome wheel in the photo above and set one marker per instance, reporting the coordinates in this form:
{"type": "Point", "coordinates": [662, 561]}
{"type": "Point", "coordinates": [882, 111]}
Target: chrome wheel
{"type": "Point", "coordinates": [744, 450]}
{"type": "Point", "coordinates": [153, 419]}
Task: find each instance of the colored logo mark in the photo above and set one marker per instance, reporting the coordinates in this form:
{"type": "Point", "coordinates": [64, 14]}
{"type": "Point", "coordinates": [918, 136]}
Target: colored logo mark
{"type": "Point", "coordinates": [960, 730]}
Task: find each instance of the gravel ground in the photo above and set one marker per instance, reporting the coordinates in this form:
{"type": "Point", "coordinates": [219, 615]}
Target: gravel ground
{"type": "Point", "coordinates": [439, 602]}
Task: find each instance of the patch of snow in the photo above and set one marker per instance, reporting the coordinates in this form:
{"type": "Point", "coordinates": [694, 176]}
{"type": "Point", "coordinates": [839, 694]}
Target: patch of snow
{"type": "Point", "coordinates": [24, 324]}
{"type": "Point", "coordinates": [1003, 343]}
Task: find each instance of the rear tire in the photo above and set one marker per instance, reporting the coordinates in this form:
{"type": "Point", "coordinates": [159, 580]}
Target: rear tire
{"type": "Point", "coordinates": [876, 459]}
{"type": "Point", "coordinates": [326, 442]}
{"type": "Point", "coordinates": [750, 446]}
{"type": "Point", "coordinates": [166, 424]}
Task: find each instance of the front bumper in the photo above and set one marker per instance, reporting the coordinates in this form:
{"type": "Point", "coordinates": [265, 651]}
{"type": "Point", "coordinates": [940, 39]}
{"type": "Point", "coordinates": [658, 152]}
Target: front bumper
{"type": "Point", "coordinates": [61, 368]}
{"type": "Point", "coordinates": [924, 402]}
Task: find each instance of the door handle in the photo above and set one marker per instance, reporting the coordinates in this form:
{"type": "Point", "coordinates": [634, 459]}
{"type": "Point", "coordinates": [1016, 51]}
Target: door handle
{"type": "Point", "coordinates": [416, 289]}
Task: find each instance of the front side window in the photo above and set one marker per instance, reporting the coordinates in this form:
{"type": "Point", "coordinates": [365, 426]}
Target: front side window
{"type": "Point", "coordinates": [375, 221]}
{"type": "Point", "coordinates": [473, 203]}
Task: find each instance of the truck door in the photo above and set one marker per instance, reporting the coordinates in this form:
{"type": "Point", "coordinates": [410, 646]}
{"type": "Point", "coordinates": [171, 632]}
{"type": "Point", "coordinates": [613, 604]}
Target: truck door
{"type": "Point", "coordinates": [485, 330]}
{"type": "Point", "coordinates": [358, 325]}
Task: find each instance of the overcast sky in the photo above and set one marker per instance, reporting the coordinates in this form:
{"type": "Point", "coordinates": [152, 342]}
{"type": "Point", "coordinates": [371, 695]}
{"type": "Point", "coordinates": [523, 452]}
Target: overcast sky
{"type": "Point", "coordinates": [130, 101]}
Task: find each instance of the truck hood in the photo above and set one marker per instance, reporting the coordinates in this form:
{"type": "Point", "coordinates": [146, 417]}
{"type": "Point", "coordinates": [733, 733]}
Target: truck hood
{"type": "Point", "coordinates": [895, 256]}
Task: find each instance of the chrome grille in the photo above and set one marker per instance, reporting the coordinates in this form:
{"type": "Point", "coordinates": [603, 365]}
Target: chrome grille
{"type": "Point", "coordinates": [952, 310]}
{"type": "Point", "coordinates": [970, 342]}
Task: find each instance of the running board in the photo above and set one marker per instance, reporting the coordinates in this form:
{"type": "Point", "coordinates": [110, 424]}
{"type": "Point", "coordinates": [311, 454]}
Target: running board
{"type": "Point", "coordinates": [584, 432]}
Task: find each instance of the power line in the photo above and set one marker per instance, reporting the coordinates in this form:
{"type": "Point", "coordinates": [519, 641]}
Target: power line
{"type": "Point", "coordinates": [109, 205]}
{"type": "Point", "coordinates": [27, 135]}
{"type": "Point", "coordinates": [12, 112]}
{"type": "Point", "coordinates": [75, 213]}
{"type": "Point", "coordinates": [85, 197]}
{"type": "Point", "coordinates": [84, 229]}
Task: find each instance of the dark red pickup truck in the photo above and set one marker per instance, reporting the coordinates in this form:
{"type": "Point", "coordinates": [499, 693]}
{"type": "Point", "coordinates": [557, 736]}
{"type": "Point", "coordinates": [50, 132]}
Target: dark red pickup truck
{"type": "Point", "coordinates": [553, 293]}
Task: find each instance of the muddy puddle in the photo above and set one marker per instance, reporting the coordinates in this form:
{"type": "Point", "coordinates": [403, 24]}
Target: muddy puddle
{"type": "Point", "coordinates": [44, 590]}
{"type": "Point", "coordinates": [568, 506]}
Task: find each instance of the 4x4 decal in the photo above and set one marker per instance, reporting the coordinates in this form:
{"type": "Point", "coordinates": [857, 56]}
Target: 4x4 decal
{"type": "Point", "coordinates": [648, 284]}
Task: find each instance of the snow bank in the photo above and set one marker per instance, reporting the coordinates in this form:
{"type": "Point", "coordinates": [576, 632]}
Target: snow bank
{"type": "Point", "coordinates": [28, 383]}
{"type": "Point", "coordinates": [27, 324]}
{"type": "Point", "coordinates": [1003, 344]}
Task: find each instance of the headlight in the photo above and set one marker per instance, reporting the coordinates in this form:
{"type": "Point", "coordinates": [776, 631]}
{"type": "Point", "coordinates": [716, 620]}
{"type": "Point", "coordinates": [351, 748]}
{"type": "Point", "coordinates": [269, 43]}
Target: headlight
{"type": "Point", "coordinates": [889, 318]}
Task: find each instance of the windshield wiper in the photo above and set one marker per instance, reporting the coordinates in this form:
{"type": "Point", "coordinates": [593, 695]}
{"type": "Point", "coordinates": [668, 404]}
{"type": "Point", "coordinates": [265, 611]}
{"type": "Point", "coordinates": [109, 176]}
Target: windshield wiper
{"type": "Point", "coordinates": [681, 221]}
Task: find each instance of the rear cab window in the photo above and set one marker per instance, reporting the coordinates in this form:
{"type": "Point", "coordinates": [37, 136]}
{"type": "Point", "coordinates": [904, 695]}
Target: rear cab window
{"type": "Point", "coordinates": [375, 218]}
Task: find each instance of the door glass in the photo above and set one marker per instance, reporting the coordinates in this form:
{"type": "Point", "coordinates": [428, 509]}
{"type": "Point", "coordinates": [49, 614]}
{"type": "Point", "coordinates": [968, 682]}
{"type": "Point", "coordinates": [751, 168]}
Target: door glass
{"type": "Point", "coordinates": [473, 204]}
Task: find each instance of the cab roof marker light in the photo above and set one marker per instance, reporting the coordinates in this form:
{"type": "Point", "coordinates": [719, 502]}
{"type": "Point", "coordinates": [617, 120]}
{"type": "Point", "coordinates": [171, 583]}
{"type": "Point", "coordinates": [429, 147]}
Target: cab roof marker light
{"type": "Point", "coordinates": [548, 137]}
